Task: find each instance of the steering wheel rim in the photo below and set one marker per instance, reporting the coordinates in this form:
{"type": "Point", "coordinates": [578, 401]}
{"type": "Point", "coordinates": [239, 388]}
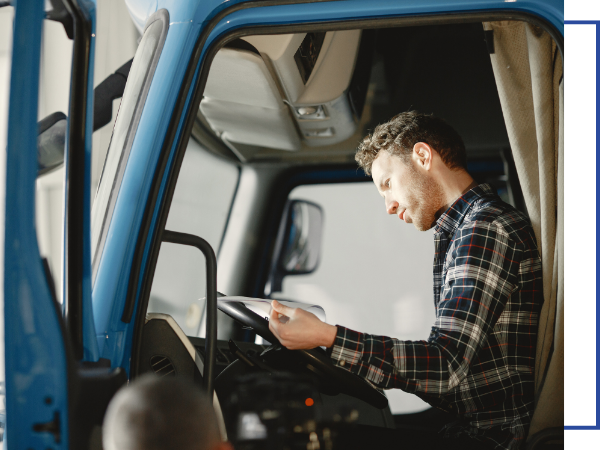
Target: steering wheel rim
{"type": "Point", "coordinates": [350, 383]}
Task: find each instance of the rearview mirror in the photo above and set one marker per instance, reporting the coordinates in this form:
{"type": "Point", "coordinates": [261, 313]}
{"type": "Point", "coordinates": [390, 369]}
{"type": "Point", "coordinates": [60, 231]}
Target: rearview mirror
{"type": "Point", "coordinates": [298, 246]}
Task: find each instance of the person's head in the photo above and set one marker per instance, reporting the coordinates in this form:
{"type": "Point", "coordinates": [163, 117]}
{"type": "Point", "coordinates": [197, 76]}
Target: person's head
{"type": "Point", "coordinates": [155, 413]}
{"type": "Point", "coordinates": [418, 163]}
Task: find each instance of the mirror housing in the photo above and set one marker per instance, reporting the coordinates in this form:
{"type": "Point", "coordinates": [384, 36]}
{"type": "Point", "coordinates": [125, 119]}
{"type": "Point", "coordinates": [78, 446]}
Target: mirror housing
{"type": "Point", "coordinates": [52, 132]}
{"type": "Point", "coordinates": [298, 245]}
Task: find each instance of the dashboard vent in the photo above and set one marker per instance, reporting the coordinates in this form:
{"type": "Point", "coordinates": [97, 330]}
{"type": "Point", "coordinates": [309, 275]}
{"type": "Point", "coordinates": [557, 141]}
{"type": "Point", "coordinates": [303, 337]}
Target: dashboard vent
{"type": "Point", "coordinates": [162, 366]}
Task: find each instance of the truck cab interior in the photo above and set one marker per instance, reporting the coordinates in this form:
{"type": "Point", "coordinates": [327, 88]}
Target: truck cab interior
{"type": "Point", "coordinates": [269, 180]}
{"type": "Point", "coordinates": [231, 172]}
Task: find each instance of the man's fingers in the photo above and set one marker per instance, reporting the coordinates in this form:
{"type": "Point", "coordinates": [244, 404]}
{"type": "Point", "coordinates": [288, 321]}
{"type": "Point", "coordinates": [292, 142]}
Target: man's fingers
{"type": "Point", "coordinates": [273, 319]}
{"type": "Point", "coordinates": [282, 309]}
{"type": "Point", "coordinates": [273, 323]}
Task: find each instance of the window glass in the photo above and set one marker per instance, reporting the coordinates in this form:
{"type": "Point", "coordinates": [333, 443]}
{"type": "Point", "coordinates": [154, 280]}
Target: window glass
{"type": "Point", "coordinates": [201, 205]}
{"type": "Point", "coordinates": [123, 133]}
{"type": "Point", "coordinates": [375, 271]}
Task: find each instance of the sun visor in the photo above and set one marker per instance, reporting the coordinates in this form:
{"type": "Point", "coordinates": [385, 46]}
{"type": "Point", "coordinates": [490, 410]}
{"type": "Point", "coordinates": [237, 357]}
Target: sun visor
{"type": "Point", "coordinates": [251, 125]}
{"type": "Point", "coordinates": [242, 103]}
{"type": "Point", "coordinates": [287, 92]}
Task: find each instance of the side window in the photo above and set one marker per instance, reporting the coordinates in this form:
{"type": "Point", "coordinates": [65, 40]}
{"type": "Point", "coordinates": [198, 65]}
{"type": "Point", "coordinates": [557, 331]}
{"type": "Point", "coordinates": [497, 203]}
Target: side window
{"type": "Point", "coordinates": [374, 273]}
{"type": "Point", "coordinates": [201, 204]}
{"type": "Point", "coordinates": [130, 110]}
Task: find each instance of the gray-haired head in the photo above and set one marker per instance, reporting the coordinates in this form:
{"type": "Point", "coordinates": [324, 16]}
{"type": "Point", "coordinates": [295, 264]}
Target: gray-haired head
{"type": "Point", "coordinates": [155, 413]}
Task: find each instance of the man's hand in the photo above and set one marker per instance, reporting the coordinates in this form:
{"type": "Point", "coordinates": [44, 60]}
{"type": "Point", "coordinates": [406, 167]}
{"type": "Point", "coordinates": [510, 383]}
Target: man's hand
{"type": "Point", "coordinates": [298, 329]}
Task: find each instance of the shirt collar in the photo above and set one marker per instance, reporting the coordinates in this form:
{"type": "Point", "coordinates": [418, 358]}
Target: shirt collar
{"type": "Point", "coordinates": [450, 220]}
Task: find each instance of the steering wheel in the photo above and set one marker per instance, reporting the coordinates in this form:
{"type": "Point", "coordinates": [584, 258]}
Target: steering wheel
{"type": "Point", "coordinates": [315, 358]}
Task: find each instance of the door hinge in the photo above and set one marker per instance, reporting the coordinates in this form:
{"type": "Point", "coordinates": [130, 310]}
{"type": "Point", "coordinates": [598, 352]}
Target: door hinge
{"type": "Point", "coordinates": [52, 427]}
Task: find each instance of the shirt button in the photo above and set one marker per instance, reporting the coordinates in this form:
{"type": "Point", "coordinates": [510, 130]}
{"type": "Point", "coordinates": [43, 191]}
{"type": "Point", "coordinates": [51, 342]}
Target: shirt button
{"type": "Point", "coordinates": [343, 362]}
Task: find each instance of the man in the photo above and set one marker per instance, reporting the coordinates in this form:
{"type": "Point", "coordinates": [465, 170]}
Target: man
{"type": "Point", "coordinates": [478, 362]}
{"type": "Point", "coordinates": [165, 413]}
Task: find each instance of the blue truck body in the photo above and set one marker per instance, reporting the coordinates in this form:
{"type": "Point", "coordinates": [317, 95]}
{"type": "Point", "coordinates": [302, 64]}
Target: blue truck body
{"type": "Point", "coordinates": [40, 366]}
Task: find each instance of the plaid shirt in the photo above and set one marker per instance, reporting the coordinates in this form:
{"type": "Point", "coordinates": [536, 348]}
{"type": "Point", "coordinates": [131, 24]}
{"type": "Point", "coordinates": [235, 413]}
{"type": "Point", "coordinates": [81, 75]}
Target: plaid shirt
{"type": "Point", "coordinates": [479, 359]}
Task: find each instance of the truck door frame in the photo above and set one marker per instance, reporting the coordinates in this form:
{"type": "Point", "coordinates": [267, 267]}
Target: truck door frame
{"type": "Point", "coordinates": [43, 388]}
{"type": "Point", "coordinates": [213, 37]}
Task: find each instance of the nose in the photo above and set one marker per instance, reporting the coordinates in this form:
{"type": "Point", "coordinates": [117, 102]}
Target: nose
{"type": "Point", "coordinates": [391, 206]}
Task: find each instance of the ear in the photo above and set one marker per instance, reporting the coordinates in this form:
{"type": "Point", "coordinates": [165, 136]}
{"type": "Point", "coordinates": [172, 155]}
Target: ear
{"type": "Point", "coordinates": [423, 155]}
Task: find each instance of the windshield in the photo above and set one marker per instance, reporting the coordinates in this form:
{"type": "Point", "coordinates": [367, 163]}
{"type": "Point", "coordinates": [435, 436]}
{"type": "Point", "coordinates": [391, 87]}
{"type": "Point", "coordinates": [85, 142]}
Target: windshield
{"type": "Point", "coordinates": [138, 82]}
{"type": "Point", "coordinates": [201, 204]}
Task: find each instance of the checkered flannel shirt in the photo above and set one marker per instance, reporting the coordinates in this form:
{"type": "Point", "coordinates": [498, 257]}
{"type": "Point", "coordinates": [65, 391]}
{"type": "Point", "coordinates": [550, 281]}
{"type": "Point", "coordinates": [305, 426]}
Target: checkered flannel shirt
{"type": "Point", "coordinates": [479, 359]}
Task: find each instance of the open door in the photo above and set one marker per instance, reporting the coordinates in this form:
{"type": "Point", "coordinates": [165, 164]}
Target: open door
{"type": "Point", "coordinates": [52, 399]}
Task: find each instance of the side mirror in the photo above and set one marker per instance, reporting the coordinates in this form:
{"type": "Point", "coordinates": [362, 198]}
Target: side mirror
{"type": "Point", "coordinates": [52, 132]}
{"type": "Point", "coordinates": [298, 246]}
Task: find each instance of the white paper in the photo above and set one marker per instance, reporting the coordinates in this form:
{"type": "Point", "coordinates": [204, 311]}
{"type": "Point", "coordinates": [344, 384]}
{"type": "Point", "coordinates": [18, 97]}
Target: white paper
{"type": "Point", "coordinates": [262, 306]}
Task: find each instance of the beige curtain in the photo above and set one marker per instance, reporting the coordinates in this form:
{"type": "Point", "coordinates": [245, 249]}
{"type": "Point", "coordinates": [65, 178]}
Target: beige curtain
{"type": "Point", "coordinates": [528, 70]}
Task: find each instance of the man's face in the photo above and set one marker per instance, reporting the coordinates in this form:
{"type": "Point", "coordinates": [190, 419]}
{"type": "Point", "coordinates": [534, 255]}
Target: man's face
{"type": "Point", "coordinates": [408, 190]}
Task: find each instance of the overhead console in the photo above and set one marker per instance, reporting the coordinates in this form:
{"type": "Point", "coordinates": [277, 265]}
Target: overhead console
{"type": "Point", "coordinates": [287, 91]}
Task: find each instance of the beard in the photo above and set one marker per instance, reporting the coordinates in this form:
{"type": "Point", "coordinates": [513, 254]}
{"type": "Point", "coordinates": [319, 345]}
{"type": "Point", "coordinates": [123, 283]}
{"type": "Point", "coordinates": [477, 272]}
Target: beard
{"type": "Point", "coordinates": [425, 199]}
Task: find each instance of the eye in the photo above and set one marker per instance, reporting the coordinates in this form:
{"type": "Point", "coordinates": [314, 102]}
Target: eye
{"type": "Point", "coordinates": [387, 183]}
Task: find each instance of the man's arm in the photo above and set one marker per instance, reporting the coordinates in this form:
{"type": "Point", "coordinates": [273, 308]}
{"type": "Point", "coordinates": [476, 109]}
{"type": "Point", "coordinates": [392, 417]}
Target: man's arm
{"type": "Point", "coordinates": [481, 275]}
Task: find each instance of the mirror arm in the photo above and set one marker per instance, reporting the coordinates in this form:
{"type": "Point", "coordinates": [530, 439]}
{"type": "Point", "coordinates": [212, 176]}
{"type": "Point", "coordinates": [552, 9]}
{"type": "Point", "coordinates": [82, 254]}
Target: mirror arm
{"type": "Point", "coordinates": [174, 237]}
{"type": "Point", "coordinates": [275, 283]}
{"type": "Point", "coordinates": [51, 134]}
{"type": "Point", "coordinates": [59, 13]}
{"type": "Point", "coordinates": [275, 278]}
{"type": "Point", "coordinates": [110, 89]}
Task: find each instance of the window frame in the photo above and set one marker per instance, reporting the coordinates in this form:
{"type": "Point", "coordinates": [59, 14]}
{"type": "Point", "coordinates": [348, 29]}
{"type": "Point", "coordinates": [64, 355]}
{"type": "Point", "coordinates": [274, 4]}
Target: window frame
{"type": "Point", "coordinates": [158, 202]}
{"type": "Point", "coordinates": [162, 16]}
{"type": "Point", "coordinates": [223, 232]}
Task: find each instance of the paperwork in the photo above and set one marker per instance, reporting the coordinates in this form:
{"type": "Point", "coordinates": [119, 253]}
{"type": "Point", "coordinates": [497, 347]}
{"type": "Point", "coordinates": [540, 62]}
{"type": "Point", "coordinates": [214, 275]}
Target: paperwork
{"type": "Point", "coordinates": [262, 306]}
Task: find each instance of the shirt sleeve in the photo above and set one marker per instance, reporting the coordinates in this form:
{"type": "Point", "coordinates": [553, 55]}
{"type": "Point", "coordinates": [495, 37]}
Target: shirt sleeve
{"type": "Point", "coordinates": [480, 274]}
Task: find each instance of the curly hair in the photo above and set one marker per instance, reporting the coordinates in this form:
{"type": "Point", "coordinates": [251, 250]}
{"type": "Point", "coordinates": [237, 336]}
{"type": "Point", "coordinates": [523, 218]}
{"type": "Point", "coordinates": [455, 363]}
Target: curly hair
{"type": "Point", "coordinates": [402, 132]}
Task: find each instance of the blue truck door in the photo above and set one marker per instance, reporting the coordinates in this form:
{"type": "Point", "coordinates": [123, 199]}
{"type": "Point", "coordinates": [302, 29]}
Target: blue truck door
{"type": "Point", "coordinates": [43, 380]}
